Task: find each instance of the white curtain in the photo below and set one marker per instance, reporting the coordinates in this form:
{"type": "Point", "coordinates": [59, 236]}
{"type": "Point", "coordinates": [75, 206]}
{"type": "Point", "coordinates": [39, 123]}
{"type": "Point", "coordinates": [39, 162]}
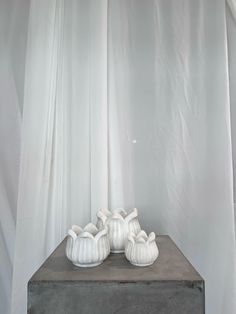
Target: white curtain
{"type": "Point", "coordinates": [170, 111]}
{"type": "Point", "coordinates": [126, 103]}
{"type": "Point", "coordinates": [63, 175]}
{"type": "Point", "coordinates": [13, 35]}
{"type": "Point", "coordinates": [231, 32]}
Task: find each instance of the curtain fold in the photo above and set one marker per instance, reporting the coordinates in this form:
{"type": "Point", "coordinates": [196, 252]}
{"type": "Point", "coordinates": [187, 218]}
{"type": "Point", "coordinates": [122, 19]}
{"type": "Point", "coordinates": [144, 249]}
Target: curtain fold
{"type": "Point", "coordinates": [126, 103]}
{"type": "Point", "coordinates": [63, 177]}
{"type": "Point", "coordinates": [40, 174]}
{"type": "Point", "coordinates": [13, 34]}
{"type": "Point", "coordinates": [232, 7]}
{"type": "Point", "coordinates": [231, 33]}
{"type": "Point", "coordinates": [170, 109]}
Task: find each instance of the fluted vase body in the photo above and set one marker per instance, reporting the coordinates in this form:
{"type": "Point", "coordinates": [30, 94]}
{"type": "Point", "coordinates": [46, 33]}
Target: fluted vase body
{"type": "Point", "coordinates": [120, 224]}
{"type": "Point", "coordinates": [87, 247]}
{"type": "Point", "coordinates": [141, 250]}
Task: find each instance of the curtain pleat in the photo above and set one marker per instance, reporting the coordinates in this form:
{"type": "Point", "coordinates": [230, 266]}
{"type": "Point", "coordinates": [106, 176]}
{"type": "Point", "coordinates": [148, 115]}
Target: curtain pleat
{"type": "Point", "coordinates": [63, 178]}
{"type": "Point", "coordinates": [232, 7]}
{"type": "Point", "coordinates": [40, 208]}
{"type": "Point", "coordinates": [231, 33]}
{"type": "Point", "coordinates": [13, 35]}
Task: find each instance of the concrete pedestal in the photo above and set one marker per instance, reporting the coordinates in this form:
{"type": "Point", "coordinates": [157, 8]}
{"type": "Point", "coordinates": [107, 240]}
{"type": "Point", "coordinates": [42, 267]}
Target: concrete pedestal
{"type": "Point", "coordinates": [170, 286]}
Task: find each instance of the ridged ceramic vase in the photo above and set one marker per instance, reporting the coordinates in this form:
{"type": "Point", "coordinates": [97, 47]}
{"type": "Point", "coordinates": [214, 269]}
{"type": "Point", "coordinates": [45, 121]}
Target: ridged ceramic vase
{"type": "Point", "coordinates": [120, 224]}
{"type": "Point", "coordinates": [141, 250]}
{"type": "Point", "coordinates": [87, 247]}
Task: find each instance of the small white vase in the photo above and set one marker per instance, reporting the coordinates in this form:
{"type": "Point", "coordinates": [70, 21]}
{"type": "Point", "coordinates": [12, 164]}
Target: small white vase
{"type": "Point", "coordinates": [141, 250]}
{"type": "Point", "coordinates": [119, 224]}
{"type": "Point", "coordinates": [87, 247]}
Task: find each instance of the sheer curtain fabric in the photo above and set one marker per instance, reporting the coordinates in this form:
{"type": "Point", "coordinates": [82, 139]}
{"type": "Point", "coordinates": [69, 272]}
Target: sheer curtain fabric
{"type": "Point", "coordinates": [126, 103]}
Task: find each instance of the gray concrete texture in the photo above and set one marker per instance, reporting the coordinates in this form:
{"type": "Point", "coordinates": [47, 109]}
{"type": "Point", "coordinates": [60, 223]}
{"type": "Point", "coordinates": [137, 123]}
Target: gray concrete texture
{"type": "Point", "coordinates": [170, 285]}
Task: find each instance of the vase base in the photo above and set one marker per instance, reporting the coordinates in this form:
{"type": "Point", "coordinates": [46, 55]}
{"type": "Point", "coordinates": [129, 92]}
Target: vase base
{"type": "Point", "coordinates": [142, 265]}
{"type": "Point", "coordinates": [88, 265]}
{"type": "Point", "coordinates": [117, 251]}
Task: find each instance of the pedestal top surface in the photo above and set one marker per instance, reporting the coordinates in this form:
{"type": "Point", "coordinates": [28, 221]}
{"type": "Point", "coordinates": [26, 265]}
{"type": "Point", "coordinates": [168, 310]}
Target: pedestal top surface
{"type": "Point", "coordinates": [170, 265]}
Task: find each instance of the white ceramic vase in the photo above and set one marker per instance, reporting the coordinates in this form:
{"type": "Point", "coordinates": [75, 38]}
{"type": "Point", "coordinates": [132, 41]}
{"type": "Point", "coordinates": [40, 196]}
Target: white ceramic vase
{"type": "Point", "coordinates": [119, 224]}
{"type": "Point", "coordinates": [87, 247]}
{"type": "Point", "coordinates": [141, 250]}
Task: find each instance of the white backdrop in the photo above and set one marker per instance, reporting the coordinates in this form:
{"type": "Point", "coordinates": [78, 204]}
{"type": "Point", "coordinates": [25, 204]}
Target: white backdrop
{"type": "Point", "coordinates": [126, 103]}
